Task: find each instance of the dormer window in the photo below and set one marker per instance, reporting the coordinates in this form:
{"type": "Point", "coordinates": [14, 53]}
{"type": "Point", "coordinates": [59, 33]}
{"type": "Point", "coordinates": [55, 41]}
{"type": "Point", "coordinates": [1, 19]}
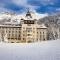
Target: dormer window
{"type": "Point", "coordinates": [21, 19]}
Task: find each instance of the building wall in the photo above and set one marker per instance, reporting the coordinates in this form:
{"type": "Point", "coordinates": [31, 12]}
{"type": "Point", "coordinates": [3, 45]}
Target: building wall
{"type": "Point", "coordinates": [30, 33]}
{"type": "Point", "coordinates": [41, 34]}
{"type": "Point", "coordinates": [13, 33]}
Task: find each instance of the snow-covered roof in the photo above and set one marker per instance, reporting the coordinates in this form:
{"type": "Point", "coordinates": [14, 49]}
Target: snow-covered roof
{"type": "Point", "coordinates": [41, 26]}
{"type": "Point", "coordinates": [10, 26]}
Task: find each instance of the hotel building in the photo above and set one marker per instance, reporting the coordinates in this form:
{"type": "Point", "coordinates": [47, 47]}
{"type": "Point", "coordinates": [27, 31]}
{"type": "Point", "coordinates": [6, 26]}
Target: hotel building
{"type": "Point", "coordinates": [28, 30]}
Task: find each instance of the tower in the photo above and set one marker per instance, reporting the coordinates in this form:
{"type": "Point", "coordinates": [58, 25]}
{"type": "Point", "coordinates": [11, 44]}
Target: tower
{"type": "Point", "coordinates": [28, 15]}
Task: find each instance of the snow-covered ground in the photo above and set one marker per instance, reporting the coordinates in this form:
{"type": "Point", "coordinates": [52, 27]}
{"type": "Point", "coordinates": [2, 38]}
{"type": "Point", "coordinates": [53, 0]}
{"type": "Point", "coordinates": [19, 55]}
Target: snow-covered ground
{"type": "Point", "coordinates": [47, 50]}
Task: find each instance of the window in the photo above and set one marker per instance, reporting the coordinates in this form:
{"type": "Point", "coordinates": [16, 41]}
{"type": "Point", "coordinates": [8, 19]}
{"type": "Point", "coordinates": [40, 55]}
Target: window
{"type": "Point", "coordinates": [23, 31]}
{"type": "Point", "coordinates": [12, 34]}
{"type": "Point", "coordinates": [9, 34]}
{"type": "Point", "coordinates": [15, 35]}
{"type": "Point", "coordinates": [23, 27]}
{"type": "Point", "coordinates": [44, 39]}
{"type": "Point", "coordinates": [9, 31]}
{"type": "Point", "coordinates": [29, 29]}
{"type": "Point", "coordinates": [12, 31]}
{"type": "Point", "coordinates": [33, 28]}
{"type": "Point", "coordinates": [29, 34]}
{"type": "Point", "coordinates": [19, 35]}
{"type": "Point", "coordinates": [33, 31]}
{"type": "Point", "coordinates": [19, 38]}
{"type": "Point", "coordinates": [43, 32]}
{"type": "Point", "coordinates": [23, 38]}
{"type": "Point", "coordinates": [40, 37]}
{"type": "Point", "coordinates": [29, 24]}
{"type": "Point", "coordinates": [23, 34]}
{"type": "Point", "coordinates": [19, 28]}
{"type": "Point", "coordinates": [40, 32]}
{"type": "Point", "coordinates": [37, 39]}
{"type": "Point", "coordinates": [10, 28]}
{"type": "Point", "coordinates": [19, 31]}
{"type": "Point", "coordinates": [13, 28]}
{"type": "Point", "coordinates": [25, 22]}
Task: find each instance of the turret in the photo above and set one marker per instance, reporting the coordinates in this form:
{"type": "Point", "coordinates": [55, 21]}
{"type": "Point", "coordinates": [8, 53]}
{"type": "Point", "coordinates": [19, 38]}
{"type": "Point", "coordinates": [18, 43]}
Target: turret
{"type": "Point", "coordinates": [28, 14]}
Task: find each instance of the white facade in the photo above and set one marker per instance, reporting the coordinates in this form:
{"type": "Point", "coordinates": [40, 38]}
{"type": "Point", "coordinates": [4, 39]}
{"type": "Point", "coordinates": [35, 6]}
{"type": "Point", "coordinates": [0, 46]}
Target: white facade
{"type": "Point", "coordinates": [26, 31]}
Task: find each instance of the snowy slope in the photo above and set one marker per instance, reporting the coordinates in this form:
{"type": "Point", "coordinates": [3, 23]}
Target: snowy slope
{"type": "Point", "coordinates": [48, 50]}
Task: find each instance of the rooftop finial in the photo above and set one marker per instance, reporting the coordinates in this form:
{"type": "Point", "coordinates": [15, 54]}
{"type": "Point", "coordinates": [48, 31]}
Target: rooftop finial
{"type": "Point", "coordinates": [28, 10]}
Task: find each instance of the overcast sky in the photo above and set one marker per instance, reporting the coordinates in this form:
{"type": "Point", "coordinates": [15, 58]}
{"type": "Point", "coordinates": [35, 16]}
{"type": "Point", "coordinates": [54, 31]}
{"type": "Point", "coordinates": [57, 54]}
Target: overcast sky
{"type": "Point", "coordinates": [40, 6]}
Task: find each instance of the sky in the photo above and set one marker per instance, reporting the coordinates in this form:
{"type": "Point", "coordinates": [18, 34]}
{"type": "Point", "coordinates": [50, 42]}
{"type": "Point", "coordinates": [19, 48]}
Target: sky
{"type": "Point", "coordinates": [39, 6]}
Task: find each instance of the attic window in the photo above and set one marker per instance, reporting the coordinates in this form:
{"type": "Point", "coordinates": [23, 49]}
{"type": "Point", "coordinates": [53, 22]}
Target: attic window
{"type": "Point", "coordinates": [22, 19]}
